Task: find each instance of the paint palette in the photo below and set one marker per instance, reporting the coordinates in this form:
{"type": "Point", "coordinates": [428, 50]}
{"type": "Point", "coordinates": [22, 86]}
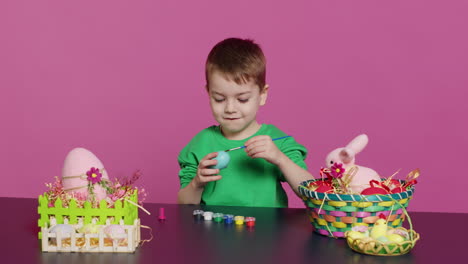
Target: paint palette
{"type": "Point", "coordinates": [228, 219]}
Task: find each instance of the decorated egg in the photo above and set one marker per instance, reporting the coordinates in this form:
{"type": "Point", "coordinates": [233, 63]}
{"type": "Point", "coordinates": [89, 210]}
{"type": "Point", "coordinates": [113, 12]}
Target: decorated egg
{"type": "Point", "coordinates": [395, 238]}
{"type": "Point", "coordinates": [223, 159]}
{"type": "Point", "coordinates": [383, 239]}
{"type": "Point", "coordinates": [374, 190]}
{"type": "Point", "coordinates": [62, 228]}
{"type": "Point", "coordinates": [397, 190]}
{"type": "Point", "coordinates": [324, 189]}
{"type": "Point", "coordinates": [89, 229]}
{"type": "Point", "coordinates": [321, 186]}
{"type": "Point", "coordinates": [355, 234]}
{"type": "Point", "coordinates": [400, 232]}
{"type": "Point", "coordinates": [80, 167]}
{"type": "Point", "coordinates": [114, 231]}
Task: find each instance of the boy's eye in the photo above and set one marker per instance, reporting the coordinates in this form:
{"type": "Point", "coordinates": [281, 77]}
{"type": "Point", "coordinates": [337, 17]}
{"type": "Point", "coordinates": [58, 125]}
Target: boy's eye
{"type": "Point", "coordinates": [218, 100]}
{"type": "Point", "coordinates": [243, 100]}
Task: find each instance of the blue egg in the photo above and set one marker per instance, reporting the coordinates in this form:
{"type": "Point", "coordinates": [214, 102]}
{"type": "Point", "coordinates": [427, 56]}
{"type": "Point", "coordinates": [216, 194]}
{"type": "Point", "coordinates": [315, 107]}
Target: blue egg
{"type": "Point", "coordinates": [383, 239]}
{"type": "Point", "coordinates": [223, 159]}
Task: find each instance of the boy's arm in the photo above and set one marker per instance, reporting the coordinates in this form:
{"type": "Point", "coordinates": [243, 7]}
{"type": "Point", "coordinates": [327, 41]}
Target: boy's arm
{"type": "Point", "coordinates": [191, 194]}
{"type": "Point", "coordinates": [292, 172]}
{"type": "Point", "coordinates": [264, 147]}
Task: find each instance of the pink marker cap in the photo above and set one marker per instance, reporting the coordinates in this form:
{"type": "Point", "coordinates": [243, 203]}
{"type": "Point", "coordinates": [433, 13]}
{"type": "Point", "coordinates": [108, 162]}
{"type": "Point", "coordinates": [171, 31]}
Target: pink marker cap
{"type": "Point", "coordinates": [161, 217]}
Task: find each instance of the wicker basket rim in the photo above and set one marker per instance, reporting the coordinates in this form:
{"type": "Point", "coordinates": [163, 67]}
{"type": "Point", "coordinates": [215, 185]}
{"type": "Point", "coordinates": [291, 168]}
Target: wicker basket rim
{"type": "Point", "coordinates": [416, 237]}
{"type": "Point", "coordinates": [352, 197]}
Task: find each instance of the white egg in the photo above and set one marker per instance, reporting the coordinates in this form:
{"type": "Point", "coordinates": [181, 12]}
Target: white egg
{"type": "Point", "coordinates": [62, 228]}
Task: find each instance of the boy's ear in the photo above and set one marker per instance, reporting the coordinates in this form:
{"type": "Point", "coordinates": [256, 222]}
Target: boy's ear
{"type": "Point", "coordinates": [264, 94]}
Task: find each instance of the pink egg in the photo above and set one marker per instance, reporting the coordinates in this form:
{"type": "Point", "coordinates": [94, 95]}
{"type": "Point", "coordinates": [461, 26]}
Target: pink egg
{"type": "Point", "coordinates": [114, 231]}
{"type": "Point", "coordinates": [77, 163]}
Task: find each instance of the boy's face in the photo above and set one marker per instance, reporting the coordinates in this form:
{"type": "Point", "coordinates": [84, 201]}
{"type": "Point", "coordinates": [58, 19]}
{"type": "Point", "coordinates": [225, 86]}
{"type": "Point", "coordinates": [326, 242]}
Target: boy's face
{"type": "Point", "coordinates": [235, 106]}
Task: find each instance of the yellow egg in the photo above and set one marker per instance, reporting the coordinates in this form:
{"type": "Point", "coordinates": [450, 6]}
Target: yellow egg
{"type": "Point", "coordinates": [355, 234]}
{"type": "Point", "coordinates": [395, 238]}
{"type": "Point", "coordinates": [90, 229]}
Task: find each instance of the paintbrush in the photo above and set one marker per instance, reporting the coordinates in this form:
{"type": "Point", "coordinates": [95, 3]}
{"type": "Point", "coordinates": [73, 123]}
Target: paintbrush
{"type": "Point", "coordinates": [244, 146]}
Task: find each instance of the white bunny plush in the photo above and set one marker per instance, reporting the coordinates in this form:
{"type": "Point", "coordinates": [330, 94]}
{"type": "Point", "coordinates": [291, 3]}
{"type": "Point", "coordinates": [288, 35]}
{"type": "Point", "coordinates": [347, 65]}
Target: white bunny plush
{"type": "Point", "coordinates": [346, 156]}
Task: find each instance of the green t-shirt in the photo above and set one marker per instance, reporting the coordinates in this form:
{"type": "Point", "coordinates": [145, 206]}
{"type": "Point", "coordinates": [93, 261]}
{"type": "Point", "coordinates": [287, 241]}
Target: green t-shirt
{"type": "Point", "coordinates": [246, 181]}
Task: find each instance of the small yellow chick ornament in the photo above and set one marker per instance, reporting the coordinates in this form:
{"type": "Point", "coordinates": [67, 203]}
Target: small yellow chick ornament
{"type": "Point", "coordinates": [379, 230]}
{"type": "Point", "coordinates": [381, 233]}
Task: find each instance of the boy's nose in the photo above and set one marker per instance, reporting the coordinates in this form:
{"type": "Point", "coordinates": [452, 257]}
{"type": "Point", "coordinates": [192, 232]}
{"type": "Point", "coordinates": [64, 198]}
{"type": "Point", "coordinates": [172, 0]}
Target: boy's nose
{"type": "Point", "coordinates": [230, 107]}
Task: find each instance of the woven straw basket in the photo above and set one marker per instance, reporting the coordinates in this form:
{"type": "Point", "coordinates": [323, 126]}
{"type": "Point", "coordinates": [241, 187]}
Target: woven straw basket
{"type": "Point", "coordinates": [377, 248]}
{"type": "Point", "coordinates": [334, 214]}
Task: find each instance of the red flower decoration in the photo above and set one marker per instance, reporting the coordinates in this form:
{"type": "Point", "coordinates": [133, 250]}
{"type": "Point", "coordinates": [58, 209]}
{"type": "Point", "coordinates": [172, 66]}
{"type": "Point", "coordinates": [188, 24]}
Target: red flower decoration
{"type": "Point", "coordinates": [94, 175]}
{"type": "Point", "coordinates": [337, 170]}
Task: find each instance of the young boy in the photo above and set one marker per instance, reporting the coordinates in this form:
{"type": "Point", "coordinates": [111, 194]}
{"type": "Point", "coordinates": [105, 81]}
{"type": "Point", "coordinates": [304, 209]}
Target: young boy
{"type": "Point", "coordinates": [235, 82]}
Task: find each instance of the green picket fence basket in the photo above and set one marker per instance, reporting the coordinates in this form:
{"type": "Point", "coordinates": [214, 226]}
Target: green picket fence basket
{"type": "Point", "coordinates": [121, 210]}
{"type": "Point", "coordinates": [334, 214]}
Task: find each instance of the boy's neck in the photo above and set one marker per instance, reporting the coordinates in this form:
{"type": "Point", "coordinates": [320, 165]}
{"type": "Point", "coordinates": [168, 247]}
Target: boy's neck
{"type": "Point", "coordinates": [247, 132]}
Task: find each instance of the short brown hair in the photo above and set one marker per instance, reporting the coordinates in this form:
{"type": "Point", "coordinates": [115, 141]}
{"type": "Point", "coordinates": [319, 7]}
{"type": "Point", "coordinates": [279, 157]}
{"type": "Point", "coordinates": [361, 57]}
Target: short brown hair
{"type": "Point", "coordinates": [241, 60]}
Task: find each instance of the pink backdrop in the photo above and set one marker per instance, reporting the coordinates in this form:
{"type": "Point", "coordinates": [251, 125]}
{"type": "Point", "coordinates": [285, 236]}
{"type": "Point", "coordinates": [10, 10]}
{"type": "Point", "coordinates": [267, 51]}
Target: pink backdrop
{"type": "Point", "coordinates": [125, 80]}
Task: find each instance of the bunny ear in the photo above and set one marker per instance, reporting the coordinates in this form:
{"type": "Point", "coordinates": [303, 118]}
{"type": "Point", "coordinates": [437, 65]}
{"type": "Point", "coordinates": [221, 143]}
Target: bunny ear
{"type": "Point", "coordinates": [358, 143]}
{"type": "Point", "coordinates": [347, 155]}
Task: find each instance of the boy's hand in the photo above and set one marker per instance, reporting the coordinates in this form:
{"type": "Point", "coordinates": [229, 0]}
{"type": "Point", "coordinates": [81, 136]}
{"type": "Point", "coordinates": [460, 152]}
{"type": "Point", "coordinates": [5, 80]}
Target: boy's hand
{"type": "Point", "coordinates": [204, 173]}
{"type": "Point", "coordinates": [263, 147]}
